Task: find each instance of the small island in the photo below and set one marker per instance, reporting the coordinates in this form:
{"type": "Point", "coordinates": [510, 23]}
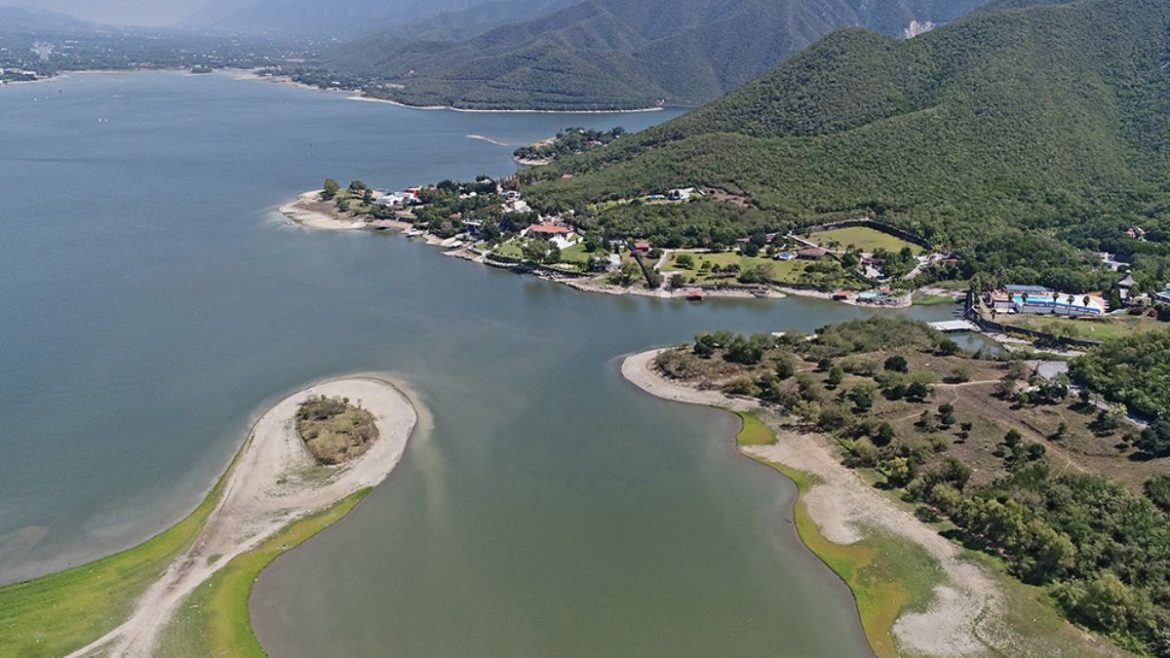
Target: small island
{"type": "Point", "coordinates": [334, 430]}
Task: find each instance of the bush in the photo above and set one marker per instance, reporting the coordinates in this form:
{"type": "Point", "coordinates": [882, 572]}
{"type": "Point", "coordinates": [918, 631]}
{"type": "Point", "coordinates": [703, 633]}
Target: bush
{"type": "Point", "coordinates": [897, 363]}
{"type": "Point", "coordinates": [1158, 491]}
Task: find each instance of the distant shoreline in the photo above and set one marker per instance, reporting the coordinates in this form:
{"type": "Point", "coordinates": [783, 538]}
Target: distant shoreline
{"type": "Point", "coordinates": [367, 99]}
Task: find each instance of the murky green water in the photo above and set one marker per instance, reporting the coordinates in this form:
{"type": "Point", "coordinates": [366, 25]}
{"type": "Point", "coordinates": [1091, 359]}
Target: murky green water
{"type": "Point", "coordinates": [151, 304]}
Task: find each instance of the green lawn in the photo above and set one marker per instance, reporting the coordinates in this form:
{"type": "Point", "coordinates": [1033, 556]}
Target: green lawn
{"type": "Point", "coordinates": [791, 271]}
{"type": "Point", "coordinates": [924, 299]}
{"type": "Point", "coordinates": [1104, 329]}
{"type": "Point", "coordinates": [61, 612]}
{"type": "Point", "coordinates": [214, 620]}
{"type": "Point", "coordinates": [577, 254]}
{"type": "Point", "coordinates": [510, 249]}
{"type": "Point", "coordinates": [864, 238]}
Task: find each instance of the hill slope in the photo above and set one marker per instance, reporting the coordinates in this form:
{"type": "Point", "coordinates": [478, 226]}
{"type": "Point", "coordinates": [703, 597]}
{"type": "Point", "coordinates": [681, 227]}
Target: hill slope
{"type": "Point", "coordinates": [621, 53]}
{"type": "Point", "coordinates": [1006, 134]}
{"type": "Point", "coordinates": [321, 17]}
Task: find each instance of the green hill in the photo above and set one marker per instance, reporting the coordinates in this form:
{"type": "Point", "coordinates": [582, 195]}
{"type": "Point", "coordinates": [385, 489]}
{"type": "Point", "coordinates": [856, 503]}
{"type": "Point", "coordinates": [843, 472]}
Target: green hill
{"type": "Point", "coordinates": [617, 53]}
{"type": "Point", "coordinates": [1009, 135]}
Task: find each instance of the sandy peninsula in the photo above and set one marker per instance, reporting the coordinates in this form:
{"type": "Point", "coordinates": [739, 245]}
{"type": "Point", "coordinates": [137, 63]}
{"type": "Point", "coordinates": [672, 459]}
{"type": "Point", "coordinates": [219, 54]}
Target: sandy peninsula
{"type": "Point", "coordinates": [273, 482]}
{"type": "Point", "coordinates": [310, 211]}
{"type": "Point", "coordinates": [963, 620]}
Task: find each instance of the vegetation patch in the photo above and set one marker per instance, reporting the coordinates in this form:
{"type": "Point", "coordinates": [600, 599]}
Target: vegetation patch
{"type": "Point", "coordinates": [334, 430]}
{"type": "Point", "coordinates": [864, 238]}
{"type": "Point", "coordinates": [754, 432]}
{"type": "Point", "coordinates": [1068, 494]}
{"type": "Point", "coordinates": [886, 575]}
{"type": "Point", "coordinates": [55, 614]}
{"type": "Point", "coordinates": [215, 620]}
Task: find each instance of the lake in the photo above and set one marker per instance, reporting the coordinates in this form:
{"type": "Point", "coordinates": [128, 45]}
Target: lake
{"type": "Point", "coordinates": [154, 303]}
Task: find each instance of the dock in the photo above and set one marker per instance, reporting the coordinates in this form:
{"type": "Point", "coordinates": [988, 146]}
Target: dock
{"type": "Point", "coordinates": [955, 326]}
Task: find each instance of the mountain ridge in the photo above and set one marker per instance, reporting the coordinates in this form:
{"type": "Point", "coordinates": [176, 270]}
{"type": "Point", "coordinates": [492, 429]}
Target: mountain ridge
{"type": "Point", "coordinates": [618, 54]}
{"type": "Point", "coordinates": [1049, 124]}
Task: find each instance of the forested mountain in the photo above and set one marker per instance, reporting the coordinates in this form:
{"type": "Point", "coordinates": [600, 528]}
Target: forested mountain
{"type": "Point", "coordinates": [322, 17]}
{"type": "Point", "coordinates": [18, 19]}
{"type": "Point", "coordinates": [621, 53]}
{"type": "Point", "coordinates": [1008, 135]}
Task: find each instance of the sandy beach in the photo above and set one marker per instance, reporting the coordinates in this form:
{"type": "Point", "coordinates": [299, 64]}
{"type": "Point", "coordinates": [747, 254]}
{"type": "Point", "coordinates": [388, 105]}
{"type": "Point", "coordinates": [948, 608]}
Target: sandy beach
{"type": "Point", "coordinates": [303, 212]}
{"type": "Point", "coordinates": [273, 482]}
{"type": "Point", "coordinates": [963, 620]}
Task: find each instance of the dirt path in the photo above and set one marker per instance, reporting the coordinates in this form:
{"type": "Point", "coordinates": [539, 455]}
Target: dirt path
{"type": "Point", "coordinates": [963, 620]}
{"type": "Point", "coordinates": [273, 482]}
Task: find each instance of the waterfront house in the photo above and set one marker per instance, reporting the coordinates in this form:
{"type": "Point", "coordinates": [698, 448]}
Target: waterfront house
{"type": "Point", "coordinates": [547, 231]}
{"type": "Point", "coordinates": [642, 245]}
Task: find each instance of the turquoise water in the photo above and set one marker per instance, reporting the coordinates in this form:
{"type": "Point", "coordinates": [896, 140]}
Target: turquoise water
{"type": "Point", "coordinates": [153, 303]}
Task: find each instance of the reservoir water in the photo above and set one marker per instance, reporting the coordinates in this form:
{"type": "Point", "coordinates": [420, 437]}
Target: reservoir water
{"type": "Point", "coordinates": [152, 303]}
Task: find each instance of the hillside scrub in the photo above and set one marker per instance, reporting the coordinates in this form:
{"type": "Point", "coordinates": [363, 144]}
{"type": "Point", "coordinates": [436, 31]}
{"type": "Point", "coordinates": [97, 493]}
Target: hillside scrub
{"type": "Point", "coordinates": [1023, 139]}
{"type": "Point", "coordinates": [976, 458]}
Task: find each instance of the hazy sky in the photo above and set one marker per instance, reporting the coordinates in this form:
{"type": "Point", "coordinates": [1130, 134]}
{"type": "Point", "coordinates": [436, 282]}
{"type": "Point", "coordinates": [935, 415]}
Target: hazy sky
{"type": "Point", "coordinates": [122, 12]}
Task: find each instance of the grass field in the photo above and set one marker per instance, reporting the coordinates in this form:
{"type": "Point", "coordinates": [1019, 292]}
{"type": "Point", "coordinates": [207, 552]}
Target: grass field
{"type": "Point", "coordinates": [864, 238]}
{"type": "Point", "coordinates": [214, 620]}
{"type": "Point", "coordinates": [52, 615]}
{"type": "Point", "coordinates": [510, 249]}
{"type": "Point", "coordinates": [783, 272]}
{"type": "Point", "coordinates": [1104, 329]}
{"type": "Point", "coordinates": [577, 255]}
{"type": "Point", "coordinates": [887, 575]}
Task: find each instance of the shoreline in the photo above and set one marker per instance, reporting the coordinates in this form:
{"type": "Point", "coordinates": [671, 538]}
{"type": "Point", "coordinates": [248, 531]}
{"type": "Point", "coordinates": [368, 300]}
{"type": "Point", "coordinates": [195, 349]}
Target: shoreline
{"type": "Point", "coordinates": [842, 508]}
{"type": "Point", "coordinates": [318, 220]}
{"type": "Point", "coordinates": [357, 96]}
{"type": "Point", "coordinates": [328, 221]}
{"type": "Point", "coordinates": [272, 484]}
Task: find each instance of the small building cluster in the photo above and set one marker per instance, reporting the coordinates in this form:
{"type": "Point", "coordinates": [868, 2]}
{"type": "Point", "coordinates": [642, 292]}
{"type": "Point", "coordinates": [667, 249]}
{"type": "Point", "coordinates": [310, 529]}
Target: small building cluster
{"type": "Point", "coordinates": [1040, 300]}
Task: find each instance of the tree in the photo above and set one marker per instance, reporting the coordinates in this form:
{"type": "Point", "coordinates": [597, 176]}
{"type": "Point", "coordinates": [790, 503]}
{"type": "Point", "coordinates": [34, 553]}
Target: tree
{"type": "Point", "coordinates": [1157, 490]}
{"type": "Point", "coordinates": [897, 363]}
{"type": "Point", "coordinates": [785, 367]}
{"type": "Point", "coordinates": [1155, 439]}
{"type": "Point", "coordinates": [627, 274]}
{"type": "Point", "coordinates": [956, 472]}
{"type": "Point", "coordinates": [861, 396]}
{"type": "Point", "coordinates": [357, 186]}
{"type": "Point", "coordinates": [685, 261]}
{"type": "Point", "coordinates": [1102, 603]}
{"type": "Point", "coordinates": [918, 391]}
{"type": "Point", "coordinates": [948, 347]}
{"type": "Point", "coordinates": [1061, 432]}
{"type": "Point", "coordinates": [330, 190]}
{"type": "Point", "coordinates": [946, 414]}
{"type": "Point", "coordinates": [1013, 438]}
{"type": "Point", "coordinates": [883, 435]}
{"type": "Point", "coordinates": [836, 376]}
{"type": "Point", "coordinates": [537, 251]}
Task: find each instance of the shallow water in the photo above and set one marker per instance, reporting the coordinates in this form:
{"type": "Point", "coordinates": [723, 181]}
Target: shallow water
{"type": "Point", "coordinates": [153, 303]}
